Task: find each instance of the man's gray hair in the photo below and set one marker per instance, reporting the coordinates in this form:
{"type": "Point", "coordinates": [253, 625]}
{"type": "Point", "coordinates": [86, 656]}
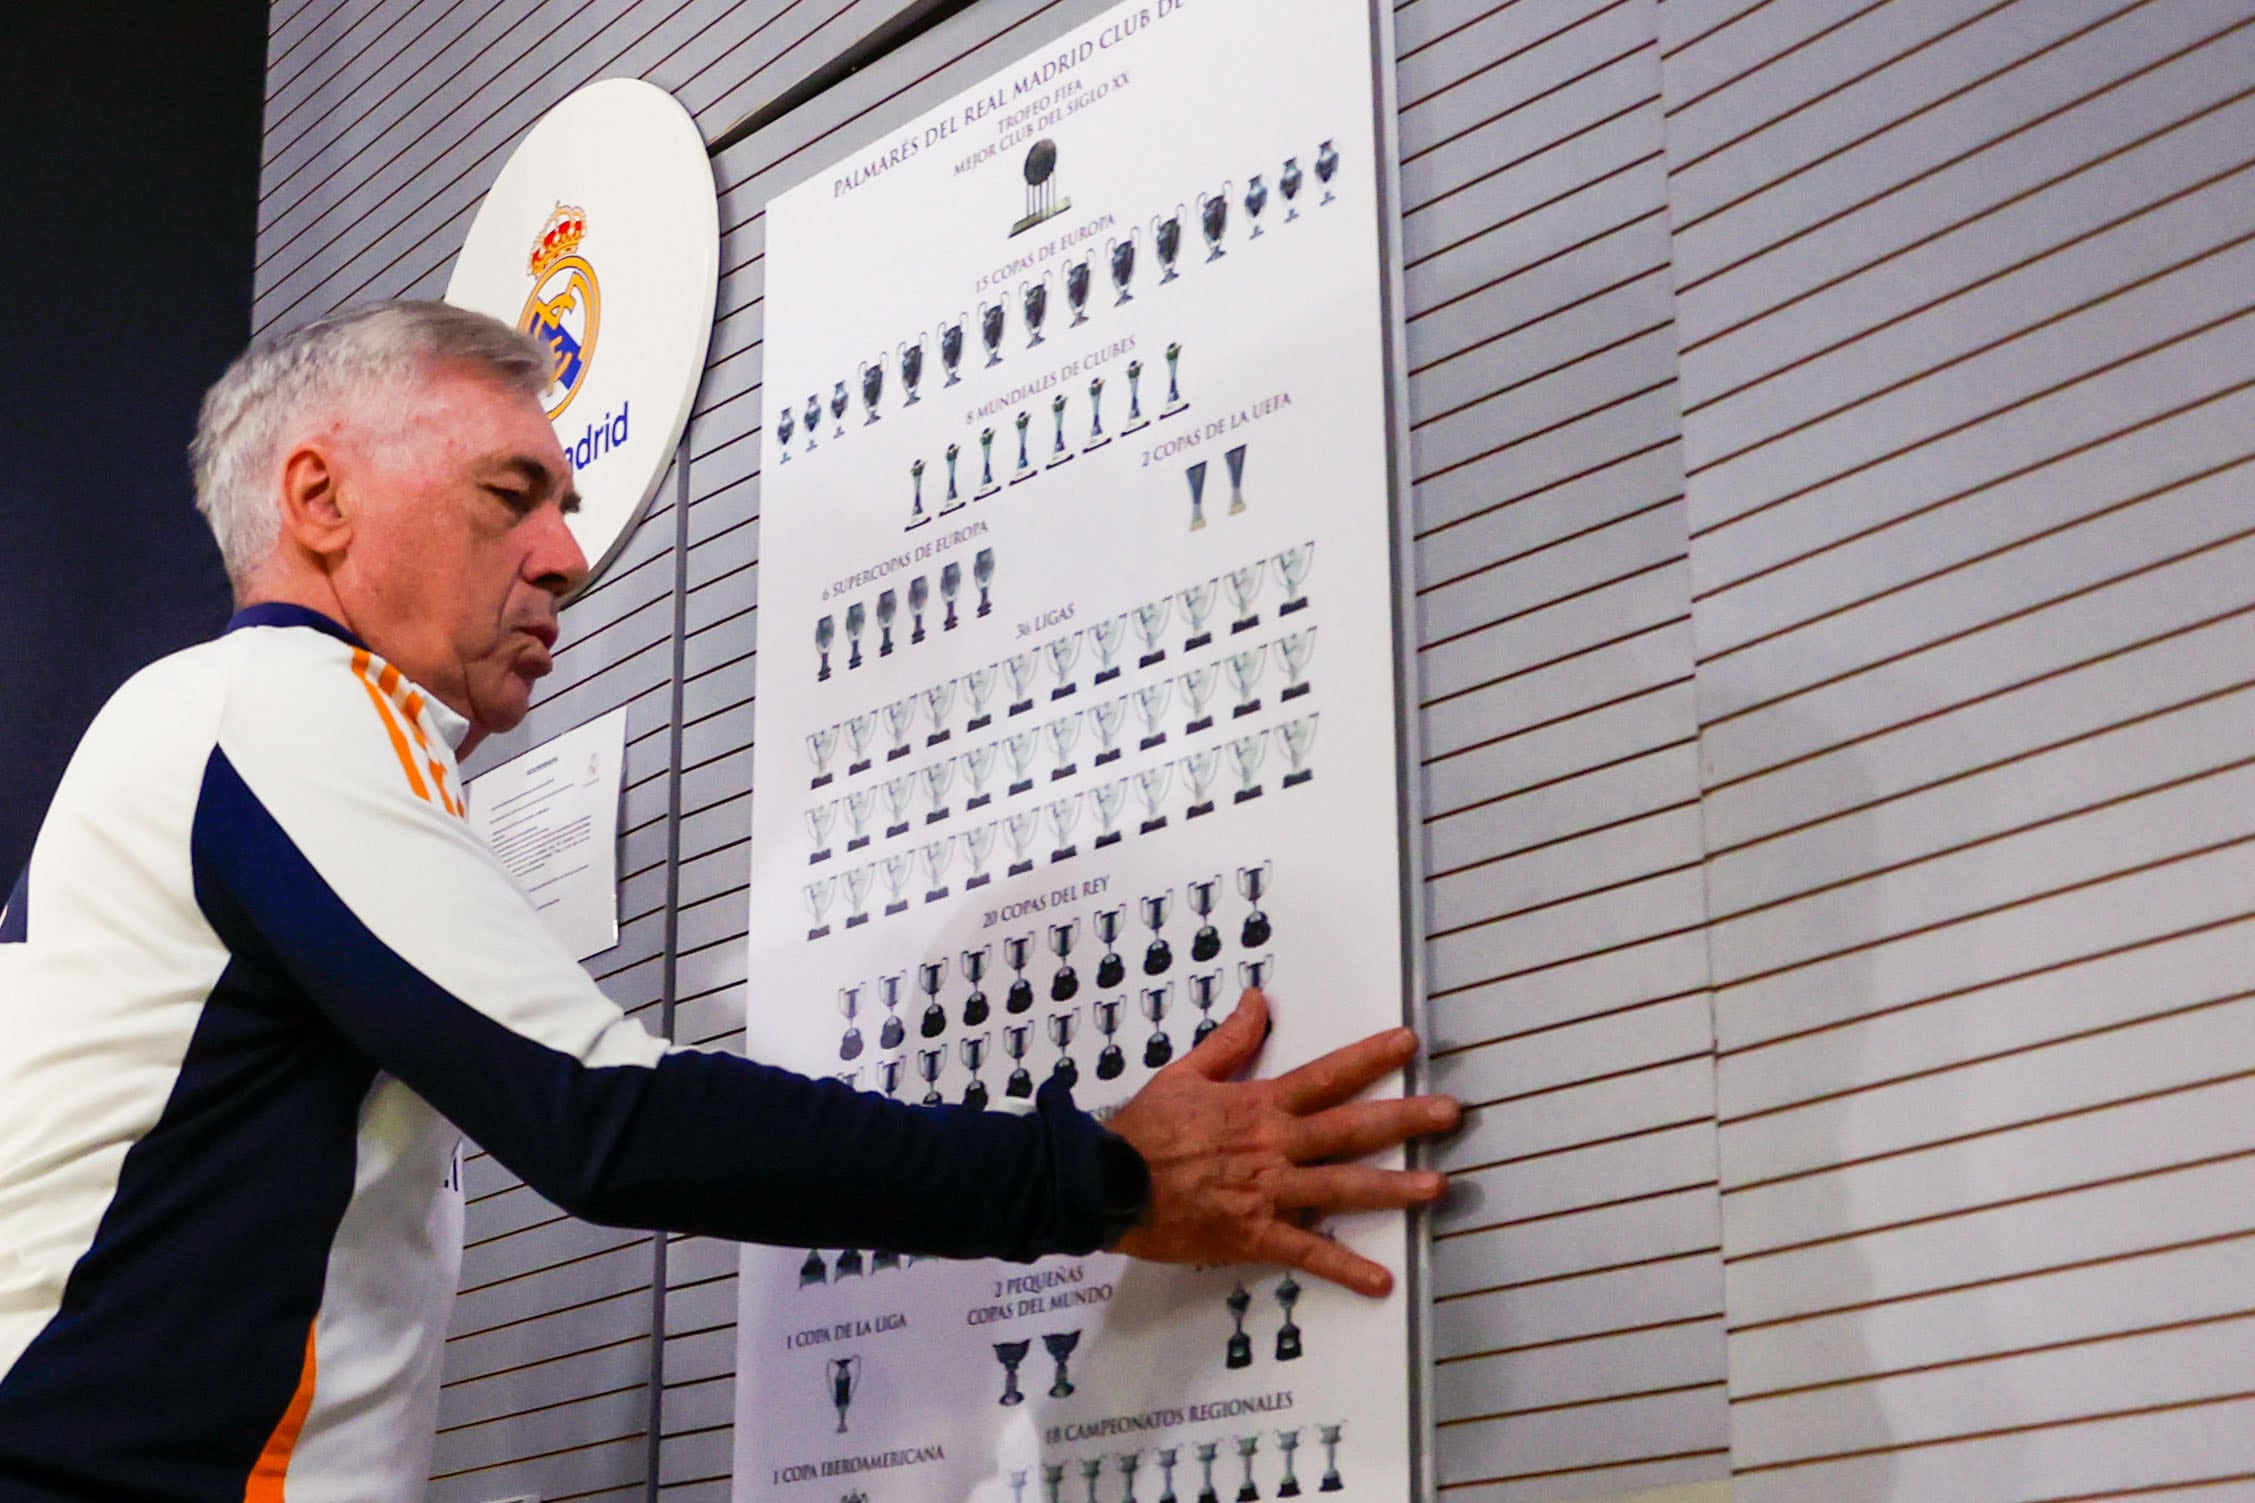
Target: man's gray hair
{"type": "Point", "coordinates": [343, 362]}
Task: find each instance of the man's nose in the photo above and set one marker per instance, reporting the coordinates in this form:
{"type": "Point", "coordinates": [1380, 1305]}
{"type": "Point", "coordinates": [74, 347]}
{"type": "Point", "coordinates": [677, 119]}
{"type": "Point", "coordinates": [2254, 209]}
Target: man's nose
{"type": "Point", "coordinates": [556, 562]}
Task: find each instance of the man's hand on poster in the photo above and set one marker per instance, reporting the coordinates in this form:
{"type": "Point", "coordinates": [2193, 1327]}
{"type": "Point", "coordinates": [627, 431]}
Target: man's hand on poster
{"type": "Point", "coordinates": [1239, 1167]}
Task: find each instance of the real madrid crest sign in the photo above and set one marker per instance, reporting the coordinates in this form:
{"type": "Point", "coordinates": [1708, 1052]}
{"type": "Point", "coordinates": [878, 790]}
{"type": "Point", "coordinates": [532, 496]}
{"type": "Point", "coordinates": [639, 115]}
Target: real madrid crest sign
{"type": "Point", "coordinates": [601, 239]}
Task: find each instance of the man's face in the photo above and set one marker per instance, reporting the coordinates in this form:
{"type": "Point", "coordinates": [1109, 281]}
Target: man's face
{"type": "Point", "coordinates": [460, 554]}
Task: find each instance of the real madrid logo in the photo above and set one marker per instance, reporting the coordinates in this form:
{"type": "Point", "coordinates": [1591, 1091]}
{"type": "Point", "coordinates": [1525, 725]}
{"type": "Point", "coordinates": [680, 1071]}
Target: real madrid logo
{"type": "Point", "coordinates": [565, 307]}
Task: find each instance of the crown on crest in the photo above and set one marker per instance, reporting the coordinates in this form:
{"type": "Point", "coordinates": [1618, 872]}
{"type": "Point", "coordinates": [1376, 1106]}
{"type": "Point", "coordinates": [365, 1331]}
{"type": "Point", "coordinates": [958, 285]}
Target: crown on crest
{"type": "Point", "coordinates": [559, 237]}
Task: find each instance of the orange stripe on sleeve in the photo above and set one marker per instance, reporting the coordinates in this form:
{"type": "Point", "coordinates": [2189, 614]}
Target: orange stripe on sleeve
{"type": "Point", "coordinates": [273, 1465]}
{"type": "Point", "coordinates": [412, 708]}
{"type": "Point", "coordinates": [360, 661]}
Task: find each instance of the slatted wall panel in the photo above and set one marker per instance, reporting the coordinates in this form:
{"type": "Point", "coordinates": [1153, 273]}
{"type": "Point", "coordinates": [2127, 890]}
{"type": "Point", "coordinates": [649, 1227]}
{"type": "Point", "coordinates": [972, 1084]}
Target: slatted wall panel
{"type": "Point", "coordinates": [1578, 1282]}
{"type": "Point", "coordinates": [1964, 299]}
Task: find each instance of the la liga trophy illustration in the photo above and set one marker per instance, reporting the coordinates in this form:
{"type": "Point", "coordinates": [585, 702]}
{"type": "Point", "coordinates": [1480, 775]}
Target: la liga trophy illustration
{"type": "Point", "coordinates": [842, 1380]}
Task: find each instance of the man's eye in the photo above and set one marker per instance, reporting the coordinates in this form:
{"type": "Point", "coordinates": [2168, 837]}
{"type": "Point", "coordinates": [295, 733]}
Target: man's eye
{"type": "Point", "coordinates": [515, 500]}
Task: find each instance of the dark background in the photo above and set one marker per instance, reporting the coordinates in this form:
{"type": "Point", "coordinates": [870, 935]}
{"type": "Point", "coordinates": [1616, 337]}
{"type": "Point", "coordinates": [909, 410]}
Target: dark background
{"type": "Point", "coordinates": [130, 138]}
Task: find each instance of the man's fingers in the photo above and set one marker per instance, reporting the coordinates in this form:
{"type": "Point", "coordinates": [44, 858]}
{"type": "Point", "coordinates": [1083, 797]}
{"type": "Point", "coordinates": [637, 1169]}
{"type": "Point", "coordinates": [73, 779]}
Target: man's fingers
{"type": "Point", "coordinates": [1231, 1046]}
{"type": "Point", "coordinates": [1365, 1127]}
{"type": "Point", "coordinates": [1357, 1187]}
{"type": "Point", "coordinates": [1325, 1259]}
{"type": "Point", "coordinates": [1342, 1073]}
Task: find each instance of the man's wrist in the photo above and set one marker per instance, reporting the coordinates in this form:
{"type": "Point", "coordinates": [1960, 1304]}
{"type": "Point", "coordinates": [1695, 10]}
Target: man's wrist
{"type": "Point", "coordinates": [1126, 1187]}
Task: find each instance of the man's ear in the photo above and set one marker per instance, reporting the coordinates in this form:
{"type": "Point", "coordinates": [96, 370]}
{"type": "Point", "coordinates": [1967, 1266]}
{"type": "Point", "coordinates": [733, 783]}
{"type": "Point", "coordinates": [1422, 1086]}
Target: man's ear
{"type": "Point", "coordinates": [313, 512]}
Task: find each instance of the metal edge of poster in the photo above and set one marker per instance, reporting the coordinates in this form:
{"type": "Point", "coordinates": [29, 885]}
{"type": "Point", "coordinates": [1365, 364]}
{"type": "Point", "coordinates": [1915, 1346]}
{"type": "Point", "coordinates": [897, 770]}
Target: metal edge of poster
{"type": "Point", "coordinates": [1408, 740]}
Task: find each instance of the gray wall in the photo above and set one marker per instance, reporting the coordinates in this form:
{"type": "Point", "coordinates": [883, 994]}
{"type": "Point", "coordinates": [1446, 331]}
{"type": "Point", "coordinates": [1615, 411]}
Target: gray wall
{"type": "Point", "coordinates": [1833, 521]}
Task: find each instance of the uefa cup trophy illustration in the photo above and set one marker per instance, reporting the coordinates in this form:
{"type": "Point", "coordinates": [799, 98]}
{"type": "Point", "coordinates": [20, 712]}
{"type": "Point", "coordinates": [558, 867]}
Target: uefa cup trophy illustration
{"type": "Point", "coordinates": [1021, 1083]}
{"type": "Point", "coordinates": [928, 1065]}
{"type": "Point", "coordinates": [991, 316]}
{"type": "Point", "coordinates": [860, 804]}
{"type": "Point", "coordinates": [1244, 669]}
{"type": "Point", "coordinates": [1121, 255]}
{"type": "Point", "coordinates": [1065, 984]}
{"type": "Point", "coordinates": [1158, 1048]}
{"type": "Point", "coordinates": [1288, 1335]}
{"type": "Point", "coordinates": [978, 844]}
{"type": "Point", "coordinates": [1109, 717]}
{"type": "Point", "coordinates": [1021, 668]}
{"type": "Point", "coordinates": [819, 819]}
{"type": "Point", "coordinates": [1111, 970]}
{"type": "Point", "coordinates": [849, 1003]}
{"type": "Point", "coordinates": [812, 1270]}
{"type": "Point", "coordinates": [860, 731]}
{"type": "Point", "coordinates": [1059, 1345]}
{"type": "Point", "coordinates": [888, 610]}
{"type": "Point", "coordinates": [1246, 1446]}
{"type": "Point", "coordinates": [843, 1380]}
{"type": "Point", "coordinates": [838, 404]}
{"type": "Point", "coordinates": [1196, 475]}
{"type": "Point", "coordinates": [1197, 690]}
{"type": "Point", "coordinates": [1244, 587]}
{"type": "Point", "coordinates": [982, 575]}
{"type": "Point", "coordinates": [1200, 767]}
{"type": "Point", "coordinates": [1204, 987]}
{"type": "Point", "coordinates": [1157, 958]}
{"type": "Point", "coordinates": [975, 971]}
{"type": "Point", "coordinates": [858, 883]}
{"type": "Point", "coordinates": [1136, 420]}
{"type": "Point", "coordinates": [1292, 566]}
{"type": "Point", "coordinates": [1062, 653]}
{"type": "Point", "coordinates": [1252, 885]}
{"type": "Point", "coordinates": [1166, 234]}
{"type": "Point", "coordinates": [1256, 198]}
{"type": "Point", "coordinates": [1151, 791]}
{"type": "Point", "coordinates": [856, 617]}
{"type": "Point", "coordinates": [1063, 732]}
{"type": "Point", "coordinates": [951, 350]}
{"type": "Point", "coordinates": [1076, 290]}
{"type": "Point", "coordinates": [1034, 298]}
{"type": "Point", "coordinates": [813, 421]}
{"type": "Point", "coordinates": [1063, 1026]}
{"type": "Point", "coordinates": [1064, 813]}
{"type": "Point", "coordinates": [1176, 402]}
{"type": "Point", "coordinates": [1299, 742]}
{"type": "Point", "coordinates": [1151, 708]}
{"type": "Point", "coordinates": [1016, 950]}
{"type": "Point", "coordinates": [872, 387]}
{"type": "Point", "coordinates": [1207, 1452]}
{"type": "Point", "coordinates": [785, 426]}
{"type": "Point", "coordinates": [1109, 799]}
{"type": "Point", "coordinates": [1022, 828]}
{"type": "Point", "coordinates": [911, 368]}
{"type": "Point", "coordinates": [898, 869]}
{"type": "Point", "coordinates": [821, 746]}
{"type": "Point", "coordinates": [1288, 1441]}
{"type": "Point", "coordinates": [1107, 637]}
{"type": "Point", "coordinates": [974, 1052]}
{"type": "Point", "coordinates": [1288, 183]}
{"type": "Point", "coordinates": [1298, 650]}
{"type": "Point", "coordinates": [825, 633]}
{"type": "Point", "coordinates": [1206, 943]}
{"type": "Point", "coordinates": [1151, 626]}
{"type": "Point", "coordinates": [1010, 1354]}
{"type": "Point", "coordinates": [1326, 164]}
{"type": "Point", "coordinates": [1247, 752]}
{"type": "Point", "coordinates": [1213, 220]}
{"type": "Point", "coordinates": [1329, 1435]}
{"type": "Point", "coordinates": [1111, 1062]}
{"type": "Point", "coordinates": [1240, 1352]}
{"type": "Point", "coordinates": [930, 974]}
{"type": "Point", "coordinates": [1197, 605]}
{"type": "Point", "coordinates": [1058, 453]}
{"type": "Point", "coordinates": [919, 595]}
{"type": "Point", "coordinates": [894, 1030]}
{"type": "Point", "coordinates": [818, 896]}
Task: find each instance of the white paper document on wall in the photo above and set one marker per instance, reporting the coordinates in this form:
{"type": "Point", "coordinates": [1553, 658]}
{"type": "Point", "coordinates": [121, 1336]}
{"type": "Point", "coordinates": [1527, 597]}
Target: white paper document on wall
{"type": "Point", "coordinates": [552, 818]}
{"type": "Point", "coordinates": [1077, 716]}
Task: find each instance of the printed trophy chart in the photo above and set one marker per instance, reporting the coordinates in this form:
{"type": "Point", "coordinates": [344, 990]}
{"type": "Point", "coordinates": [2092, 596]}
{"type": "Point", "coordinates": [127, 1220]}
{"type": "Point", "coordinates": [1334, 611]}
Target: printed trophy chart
{"type": "Point", "coordinates": [1077, 707]}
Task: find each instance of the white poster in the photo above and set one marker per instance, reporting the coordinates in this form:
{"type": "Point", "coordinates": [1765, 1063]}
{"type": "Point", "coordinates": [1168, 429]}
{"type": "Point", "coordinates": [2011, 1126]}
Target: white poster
{"type": "Point", "coordinates": [552, 818]}
{"type": "Point", "coordinates": [1077, 711]}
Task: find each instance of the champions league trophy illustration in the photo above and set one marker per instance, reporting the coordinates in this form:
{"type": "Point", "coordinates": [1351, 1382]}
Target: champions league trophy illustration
{"type": "Point", "coordinates": [860, 804]}
{"type": "Point", "coordinates": [1059, 1345]}
{"type": "Point", "coordinates": [1196, 475]}
{"type": "Point", "coordinates": [872, 387]}
{"type": "Point", "coordinates": [1288, 183]}
{"type": "Point", "coordinates": [1111, 1063]}
{"type": "Point", "coordinates": [1076, 290]}
{"type": "Point", "coordinates": [813, 420]}
{"type": "Point", "coordinates": [1109, 716]}
{"type": "Point", "coordinates": [978, 766]}
{"type": "Point", "coordinates": [1199, 768]}
{"type": "Point", "coordinates": [912, 366]}
{"type": "Point", "coordinates": [1299, 741]}
{"type": "Point", "coordinates": [1203, 987]}
{"type": "Point", "coordinates": [838, 404]}
{"type": "Point", "coordinates": [928, 1063]}
{"type": "Point", "coordinates": [891, 1035]}
{"type": "Point", "coordinates": [1010, 1354]}
{"type": "Point", "coordinates": [1021, 1083]}
{"type": "Point", "coordinates": [974, 1052]}
{"type": "Point", "coordinates": [1097, 437]}
{"type": "Point", "coordinates": [1248, 752]}
{"type": "Point", "coordinates": [1240, 1353]}
{"type": "Point", "coordinates": [1064, 985]}
{"type": "Point", "coordinates": [930, 975]}
{"type": "Point", "coordinates": [785, 426]}
{"type": "Point", "coordinates": [1151, 707]}
{"type": "Point", "coordinates": [1326, 164]}
{"type": "Point", "coordinates": [1213, 220]}
{"type": "Point", "coordinates": [825, 633]}
{"type": "Point", "coordinates": [1111, 970]}
{"type": "Point", "coordinates": [1158, 1048]}
{"type": "Point", "coordinates": [1329, 1435]}
{"type": "Point", "coordinates": [1256, 197]}
{"type": "Point", "coordinates": [988, 485]}
{"type": "Point", "coordinates": [1062, 1028]}
{"type": "Point", "coordinates": [1288, 1335]}
{"type": "Point", "coordinates": [1246, 1446]}
{"type": "Point", "coordinates": [1252, 885]}
{"type": "Point", "coordinates": [1157, 958]}
{"type": "Point", "coordinates": [1063, 732]}
{"type": "Point", "coordinates": [819, 818]}
{"type": "Point", "coordinates": [1121, 255]}
{"type": "Point", "coordinates": [856, 617]}
{"type": "Point", "coordinates": [898, 869]}
{"type": "Point", "coordinates": [900, 720]}
{"type": "Point", "coordinates": [991, 316]}
{"type": "Point", "coordinates": [1166, 235]}
{"type": "Point", "coordinates": [1151, 626]}
{"type": "Point", "coordinates": [1175, 399]}
{"type": "Point", "coordinates": [1234, 460]}
{"type": "Point", "coordinates": [1197, 689]}
{"type": "Point", "coordinates": [1292, 566]}
{"type": "Point", "coordinates": [858, 883]}
{"type": "Point", "coordinates": [978, 685]}
{"type": "Point", "coordinates": [936, 779]}
{"type": "Point", "coordinates": [1022, 828]}
{"type": "Point", "coordinates": [818, 903]}
{"type": "Point", "coordinates": [916, 516]}
{"type": "Point", "coordinates": [1034, 297]}
{"type": "Point", "coordinates": [1021, 668]}
{"type": "Point", "coordinates": [1058, 453]}
{"type": "Point", "coordinates": [1063, 652]}
{"type": "Point", "coordinates": [1109, 798]}
{"type": "Point", "coordinates": [1244, 589]}
{"type": "Point", "coordinates": [982, 575]}
{"type": "Point", "coordinates": [1207, 1452]}
{"type": "Point", "coordinates": [1064, 813]}
{"type": "Point", "coordinates": [1091, 1469]}
{"type": "Point", "coordinates": [899, 793]}
{"type": "Point", "coordinates": [821, 746]}
{"type": "Point", "coordinates": [1107, 637]}
{"type": "Point", "coordinates": [951, 350]}
{"type": "Point", "coordinates": [888, 609]}
{"type": "Point", "coordinates": [1298, 650]}
{"type": "Point", "coordinates": [1206, 943]}
{"type": "Point", "coordinates": [937, 700]}
{"type": "Point", "coordinates": [1016, 949]}
{"type": "Point", "coordinates": [860, 731]}
{"type": "Point", "coordinates": [1197, 605]}
{"type": "Point", "coordinates": [975, 971]}
{"type": "Point", "coordinates": [1244, 669]}
{"type": "Point", "coordinates": [849, 1003]}
{"type": "Point", "coordinates": [1288, 1441]}
{"type": "Point", "coordinates": [1025, 470]}
{"type": "Point", "coordinates": [1151, 792]}
{"type": "Point", "coordinates": [843, 1375]}
{"type": "Point", "coordinates": [978, 842]}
